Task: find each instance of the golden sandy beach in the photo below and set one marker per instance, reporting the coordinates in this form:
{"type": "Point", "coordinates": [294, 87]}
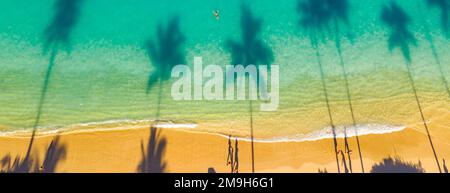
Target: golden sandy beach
{"type": "Point", "coordinates": [119, 151]}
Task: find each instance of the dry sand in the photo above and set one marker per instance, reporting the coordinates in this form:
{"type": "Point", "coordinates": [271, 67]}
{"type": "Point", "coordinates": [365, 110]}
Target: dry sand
{"type": "Point", "coordinates": [119, 151]}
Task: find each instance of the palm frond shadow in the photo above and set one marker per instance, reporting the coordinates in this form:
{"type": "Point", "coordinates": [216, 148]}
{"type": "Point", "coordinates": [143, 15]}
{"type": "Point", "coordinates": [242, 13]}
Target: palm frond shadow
{"type": "Point", "coordinates": [251, 50]}
{"type": "Point", "coordinates": [152, 156]}
{"type": "Point", "coordinates": [315, 19]}
{"type": "Point", "coordinates": [397, 165]}
{"type": "Point", "coordinates": [165, 52]}
{"type": "Point", "coordinates": [444, 7]}
{"type": "Point", "coordinates": [55, 154]}
{"type": "Point", "coordinates": [58, 32]}
{"type": "Point", "coordinates": [397, 20]}
{"type": "Point", "coordinates": [19, 164]}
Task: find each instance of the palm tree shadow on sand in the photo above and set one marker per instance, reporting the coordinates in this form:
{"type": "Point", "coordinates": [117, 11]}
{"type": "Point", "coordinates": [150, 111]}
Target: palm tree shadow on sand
{"type": "Point", "coordinates": [315, 20]}
{"type": "Point", "coordinates": [56, 152]}
{"type": "Point", "coordinates": [152, 159]}
{"type": "Point", "coordinates": [397, 20]}
{"type": "Point", "coordinates": [397, 165]}
{"type": "Point", "coordinates": [252, 50]}
{"type": "Point", "coordinates": [56, 36]}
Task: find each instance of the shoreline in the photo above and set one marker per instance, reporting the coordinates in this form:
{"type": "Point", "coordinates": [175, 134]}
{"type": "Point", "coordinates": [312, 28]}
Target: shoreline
{"type": "Point", "coordinates": [321, 134]}
{"type": "Point", "coordinates": [120, 151]}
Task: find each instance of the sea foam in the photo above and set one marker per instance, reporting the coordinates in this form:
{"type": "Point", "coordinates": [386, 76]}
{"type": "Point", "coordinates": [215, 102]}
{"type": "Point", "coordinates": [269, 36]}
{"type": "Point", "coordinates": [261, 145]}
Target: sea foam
{"type": "Point", "coordinates": [125, 124]}
{"type": "Point", "coordinates": [327, 133]}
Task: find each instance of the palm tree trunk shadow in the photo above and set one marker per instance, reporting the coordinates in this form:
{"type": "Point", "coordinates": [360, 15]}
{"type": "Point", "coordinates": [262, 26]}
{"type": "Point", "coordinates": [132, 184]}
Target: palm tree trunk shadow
{"type": "Point", "coordinates": [40, 106]}
{"type": "Point", "coordinates": [152, 159]}
{"type": "Point", "coordinates": [344, 161]}
{"type": "Point", "coordinates": [325, 91]}
{"type": "Point", "coordinates": [436, 59]}
{"type": "Point", "coordinates": [397, 20]}
{"type": "Point", "coordinates": [56, 34]}
{"type": "Point", "coordinates": [348, 151]}
{"type": "Point", "coordinates": [413, 86]}
{"type": "Point", "coordinates": [349, 96]}
{"type": "Point", "coordinates": [251, 50]}
{"type": "Point", "coordinates": [158, 106]}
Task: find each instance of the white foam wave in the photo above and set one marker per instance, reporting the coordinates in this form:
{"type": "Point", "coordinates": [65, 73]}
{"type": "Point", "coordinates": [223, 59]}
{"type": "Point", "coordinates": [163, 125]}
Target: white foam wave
{"type": "Point", "coordinates": [110, 125]}
{"type": "Point", "coordinates": [327, 133]}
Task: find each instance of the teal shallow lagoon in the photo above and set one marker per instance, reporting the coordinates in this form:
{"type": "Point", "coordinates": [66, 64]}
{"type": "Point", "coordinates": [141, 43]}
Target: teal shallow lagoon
{"type": "Point", "coordinates": [104, 76]}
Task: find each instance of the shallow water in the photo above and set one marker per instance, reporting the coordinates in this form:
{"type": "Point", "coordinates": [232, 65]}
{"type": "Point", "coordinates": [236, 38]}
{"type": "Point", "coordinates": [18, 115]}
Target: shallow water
{"type": "Point", "coordinates": [102, 75]}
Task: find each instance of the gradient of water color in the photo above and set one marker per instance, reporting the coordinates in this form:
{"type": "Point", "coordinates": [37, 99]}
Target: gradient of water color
{"type": "Point", "coordinates": [101, 82]}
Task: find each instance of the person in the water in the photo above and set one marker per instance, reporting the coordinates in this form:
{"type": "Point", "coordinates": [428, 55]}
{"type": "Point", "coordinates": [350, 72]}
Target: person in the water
{"type": "Point", "coordinates": [216, 14]}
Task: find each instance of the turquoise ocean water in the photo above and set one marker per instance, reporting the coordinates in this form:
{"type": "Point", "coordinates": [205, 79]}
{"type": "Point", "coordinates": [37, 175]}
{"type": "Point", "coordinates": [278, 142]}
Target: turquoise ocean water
{"type": "Point", "coordinates": [101, 78]}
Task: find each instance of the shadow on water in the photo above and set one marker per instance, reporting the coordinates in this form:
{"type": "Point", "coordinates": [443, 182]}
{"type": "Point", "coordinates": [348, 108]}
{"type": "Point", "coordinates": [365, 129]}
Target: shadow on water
{"type": "Point", "coordinates": [397, 165]}
{"type": "Point", "coordinates": [65, 18]}
{"type": "Point", "coordinates": [315, 20]}
{"type": "Point", "coordinates": [444, 6]}
{"type": "Point", "coordinates": [340, 10]}
{"type": "Point", "coordinates": [252, 50]}
{"type": "Point", "coordinates": [56, 152]}
{"type": "Point", "coordinates": [434, 52]}
{"type": "Point", "coordinates": [165, 52]}
{"type": "Point", "coordinates": [57, 36]}
{"type": "Point", "coordinates": [397, 20]}
{"type": "Point", "coordinates": [437, 60]}
{"type": "Point", "coordinates": [152, 158]}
